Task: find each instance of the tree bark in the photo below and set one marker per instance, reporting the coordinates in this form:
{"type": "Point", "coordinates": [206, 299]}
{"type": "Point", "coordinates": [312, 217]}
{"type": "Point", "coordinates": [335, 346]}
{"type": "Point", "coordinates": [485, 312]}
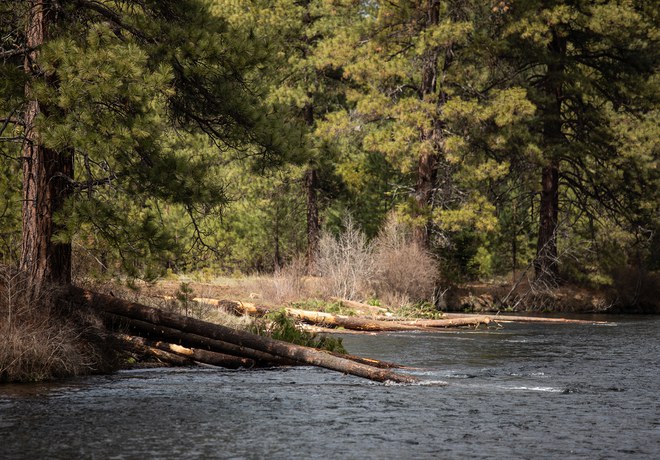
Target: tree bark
{"type": "Point", "coordinates": [300, 354]}
{"type": "Point", "coordinates": [45, 173]}
{"type": "Point", "coordinates": [546, 264]}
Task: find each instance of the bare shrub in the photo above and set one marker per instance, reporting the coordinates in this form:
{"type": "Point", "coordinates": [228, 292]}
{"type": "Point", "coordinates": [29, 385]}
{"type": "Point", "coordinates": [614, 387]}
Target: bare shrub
{"type": "Point", "coordinates": [404, 271]}
{"type": "Point", "coordinates": [346, 263]}
{"type": "Point", "coordinates": [40, 341]}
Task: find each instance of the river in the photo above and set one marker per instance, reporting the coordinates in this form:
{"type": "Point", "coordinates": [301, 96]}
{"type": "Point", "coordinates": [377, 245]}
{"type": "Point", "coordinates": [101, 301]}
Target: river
{"type": "Point", "coordinates": [523, 391]}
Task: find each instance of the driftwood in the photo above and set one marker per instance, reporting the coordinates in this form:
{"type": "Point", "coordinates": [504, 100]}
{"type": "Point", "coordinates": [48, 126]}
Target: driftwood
{"type": "Point", "coordinates": [527, 319]}
{"type": "Point", "coordinates": [304, 355]}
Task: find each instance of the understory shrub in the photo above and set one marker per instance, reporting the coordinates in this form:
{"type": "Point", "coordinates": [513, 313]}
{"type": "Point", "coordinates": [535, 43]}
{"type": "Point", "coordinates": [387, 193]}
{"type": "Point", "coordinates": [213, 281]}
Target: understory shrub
{"type": "Point", "coordinates": [346, 263]}
{"type": "Point", "coordinates": [404, 272]}
{"type": "Point", "coordinates": [392, 268]}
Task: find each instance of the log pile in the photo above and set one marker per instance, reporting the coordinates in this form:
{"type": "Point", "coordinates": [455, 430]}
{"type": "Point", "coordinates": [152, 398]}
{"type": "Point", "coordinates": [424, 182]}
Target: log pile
{"type": "Point", "coordinates": [167, 329]}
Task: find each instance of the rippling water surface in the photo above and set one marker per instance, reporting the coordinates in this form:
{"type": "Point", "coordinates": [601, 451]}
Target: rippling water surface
{"type": "Point", "coordinates": [524, 391]}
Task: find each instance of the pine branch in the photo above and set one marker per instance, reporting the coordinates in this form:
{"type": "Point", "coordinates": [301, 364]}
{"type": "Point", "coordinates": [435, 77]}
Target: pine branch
{"type": "Point", "coordinates": [113, 17]}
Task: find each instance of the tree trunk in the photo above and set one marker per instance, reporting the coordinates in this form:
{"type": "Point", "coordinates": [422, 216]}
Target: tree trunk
{"type": "Point", "coordinates": [45, 174]}
{"type": "Point", "coordinates": [313, 224]}
{"type": "Point", "coordinates": [427, 165]}
{"type": "Point", "coordinates": [427, 171]}
{"type": "Point", "coordinates": [546, 263]}
{"type": "Point", "coordinates": [300, 354]}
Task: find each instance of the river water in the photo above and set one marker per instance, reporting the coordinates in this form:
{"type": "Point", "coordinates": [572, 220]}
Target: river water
{"type": "Point", "coordinates": [522, 391]}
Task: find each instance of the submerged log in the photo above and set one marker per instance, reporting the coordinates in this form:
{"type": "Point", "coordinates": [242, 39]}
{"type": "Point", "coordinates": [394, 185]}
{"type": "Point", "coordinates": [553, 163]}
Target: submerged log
{"type": "Point", "coordinates": [297, 353]}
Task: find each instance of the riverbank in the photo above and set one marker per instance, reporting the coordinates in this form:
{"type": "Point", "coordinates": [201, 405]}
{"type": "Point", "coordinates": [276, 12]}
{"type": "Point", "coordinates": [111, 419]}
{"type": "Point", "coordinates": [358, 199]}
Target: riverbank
{"type": "Point", "coordinates": [477, 297]}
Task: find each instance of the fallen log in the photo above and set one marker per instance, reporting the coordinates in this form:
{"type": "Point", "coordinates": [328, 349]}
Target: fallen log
{"type": "Point", "coordinates": [144, 348]}
{"type": "Point", "coordinates": [176, 336]}
{"type": "Point", "coordinates": [527, 319]}
{"type": "Point", "coordinates": [320, 318]}
{"type": "Point", "coordinates": [297, 353]}
{"type": "Point", "coordinates": [454, 322]}
{"type": "Point", "coordinates": [206, 357]}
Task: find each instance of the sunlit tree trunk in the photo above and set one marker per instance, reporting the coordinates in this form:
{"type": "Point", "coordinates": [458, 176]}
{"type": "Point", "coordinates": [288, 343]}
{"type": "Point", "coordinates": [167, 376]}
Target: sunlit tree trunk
{"type": "Point", "coordinates": [45, 173]}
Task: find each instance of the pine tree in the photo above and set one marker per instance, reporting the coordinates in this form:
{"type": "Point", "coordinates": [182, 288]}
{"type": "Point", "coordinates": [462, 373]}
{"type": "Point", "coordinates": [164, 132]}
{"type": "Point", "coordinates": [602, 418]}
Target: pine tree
{"type": "Point", "coordinates": [586, 66]}
{"type": "Point", "coordinates": [105, 87]}
{"type": "Point", "coordinates": [407, 61]}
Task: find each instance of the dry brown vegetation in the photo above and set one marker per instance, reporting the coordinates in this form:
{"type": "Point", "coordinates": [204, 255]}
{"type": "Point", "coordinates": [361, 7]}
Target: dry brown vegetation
{"type": "Point", "coordinates": [41, 340]}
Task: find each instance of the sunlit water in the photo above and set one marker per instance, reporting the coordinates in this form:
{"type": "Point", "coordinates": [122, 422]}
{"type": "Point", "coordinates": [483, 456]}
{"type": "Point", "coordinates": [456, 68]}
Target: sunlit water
{"type": "Point", "coordinates": [524, 391]}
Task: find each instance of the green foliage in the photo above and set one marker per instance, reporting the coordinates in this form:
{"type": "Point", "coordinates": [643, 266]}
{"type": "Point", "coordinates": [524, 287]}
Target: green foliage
{"type": "Point", "coordinates": [279, 326]}
{"type": "Point", "coordinates": [421, 310]}
{"type": "Point", "coordinates": [192, 124]}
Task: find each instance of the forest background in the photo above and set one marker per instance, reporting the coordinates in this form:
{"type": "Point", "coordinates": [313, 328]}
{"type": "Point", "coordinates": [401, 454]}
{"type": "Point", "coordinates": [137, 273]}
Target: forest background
{"type": "Point", "coordinates": [497, 140]}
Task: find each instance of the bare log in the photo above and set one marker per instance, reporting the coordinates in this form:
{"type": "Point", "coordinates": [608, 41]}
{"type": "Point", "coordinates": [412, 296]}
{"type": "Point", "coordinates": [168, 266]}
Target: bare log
{"type": "Point", "coordinates": [297, 353]}
{"type": "Point", "coordinates": [176, 336]}
{"type": "Point", "coordinates": [348, 322]}
{"type": "Point", "coordinates": [320, 318]}
{"type": "Point", "coordinates": [527, 319]}
{"type": "Point", "coordinates": [454, 322]}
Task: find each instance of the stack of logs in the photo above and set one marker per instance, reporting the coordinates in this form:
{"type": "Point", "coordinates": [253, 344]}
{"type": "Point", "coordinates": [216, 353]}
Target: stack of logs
{"type": "Point", "coordinates": [219, 345]}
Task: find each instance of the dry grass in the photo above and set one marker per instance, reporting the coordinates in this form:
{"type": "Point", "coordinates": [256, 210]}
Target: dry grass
{"type": "Point", "coordinates": [42, 342]}
{"type": "Point", "coordinates": [287, 284]}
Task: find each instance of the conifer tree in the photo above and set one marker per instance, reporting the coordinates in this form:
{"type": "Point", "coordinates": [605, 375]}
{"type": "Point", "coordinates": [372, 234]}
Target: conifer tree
{"type": "Point", "coordinates": [586, 66]}
{"type": "Point", "coordinates": [98, 91]}
{"type": "Point", "coordinates": [407, 61]}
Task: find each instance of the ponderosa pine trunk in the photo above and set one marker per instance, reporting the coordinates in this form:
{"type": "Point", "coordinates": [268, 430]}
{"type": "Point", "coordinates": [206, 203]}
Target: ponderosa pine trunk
{"type": "Point", "coordinates": [45, 172]}
{"type": "Point", "coordinates": [427, 165]}
{"type": "Point", "coordinates": [546, 264]}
